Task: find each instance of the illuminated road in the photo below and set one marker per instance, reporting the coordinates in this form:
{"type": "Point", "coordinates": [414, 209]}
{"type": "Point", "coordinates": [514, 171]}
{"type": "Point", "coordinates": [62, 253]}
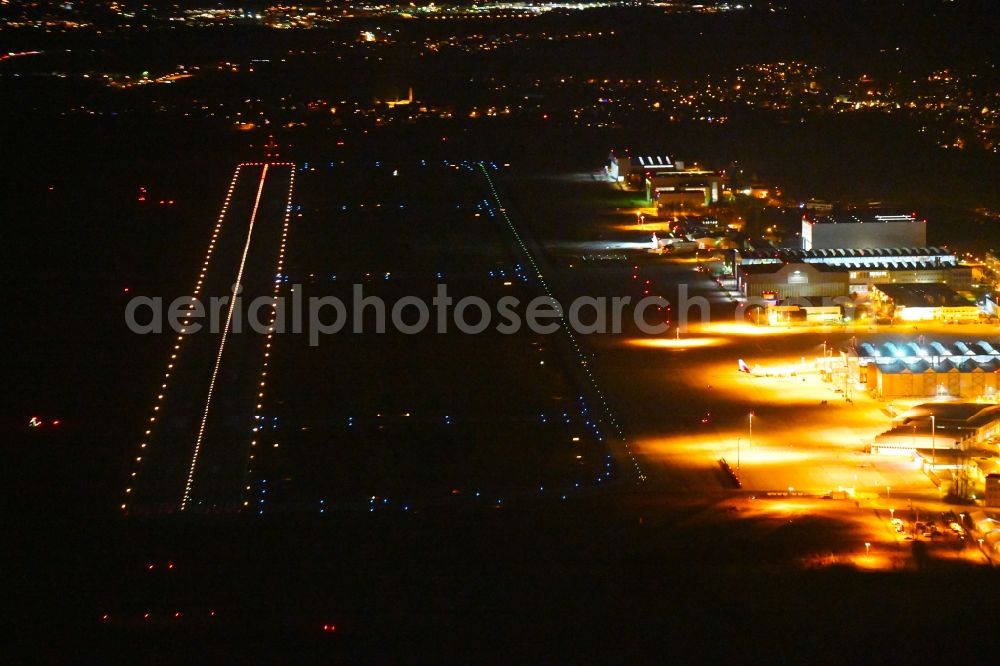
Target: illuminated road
{"type": "Point", "coordinates": [197, 449]}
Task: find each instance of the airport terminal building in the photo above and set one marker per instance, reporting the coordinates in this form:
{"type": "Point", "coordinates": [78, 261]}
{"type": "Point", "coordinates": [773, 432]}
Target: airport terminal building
{"type": "Point", "coordinates": [632, 170]}
{"type": "Point", "coordinates": [955, 425]}
{"type": "Point", "coordinates": [787, 273]}
{"type": "Point", "coordinates": [863, 231]}
{"type": "Point", "coordinates": [668, 183]}
{"type": "Point", "coordinates": [890, 370]}
{"type": "Point", "coordinates": [922, 302]}
{"type": "Point", "coordinates": [687, 188]}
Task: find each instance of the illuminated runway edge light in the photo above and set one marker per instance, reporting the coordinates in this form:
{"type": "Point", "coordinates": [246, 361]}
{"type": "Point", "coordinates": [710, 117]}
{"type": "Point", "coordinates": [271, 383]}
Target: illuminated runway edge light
{"type": "Point", "coordinates": [175, 352]}
{"type": "Point", "coordinates": [262, 381]}
{"type": "Point", "coordinates": [237, 284]}
{"type": "Point", "coordinates": [581, 355]}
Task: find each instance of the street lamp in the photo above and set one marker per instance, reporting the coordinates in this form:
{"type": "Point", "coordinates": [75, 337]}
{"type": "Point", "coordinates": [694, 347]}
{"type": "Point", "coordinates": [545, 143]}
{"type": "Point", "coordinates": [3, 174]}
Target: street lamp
{"type": "Point", "coordinates": [750, 438]}
{"type": "Point", "coordinates": [868, 546]}
{"type": "Point", "coordinates": [892, 513]}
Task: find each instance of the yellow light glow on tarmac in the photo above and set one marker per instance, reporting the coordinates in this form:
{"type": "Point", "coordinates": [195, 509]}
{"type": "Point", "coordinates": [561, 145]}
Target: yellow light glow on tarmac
{"type": "Point", "coordinates": [841, 533]}
{"type": "Point", "coordinates": [715, 445]}
{"type": "Point", "coordinates": [806, 449]}
{"type": "Point", "coordinates": [824, 331]}
{"type": "Point", "coordinates": [763, 506]}
{"type": "Point", "coordinates": [650, 226]}
{"type": "Point", "coordinates": [810, 437]}
{"type": "Point", "coordinates": [965, 552]}
{"type": "Point", "coordinates": [770, 455]}
{"type": "Point", "coordinates": [750, 330]}
{"type": "Point", "coordinates": [700, 449]}
{"type": "Point", "coordinates": [675, 343]}
{"type": "Point", "coordinates": [873, 562]}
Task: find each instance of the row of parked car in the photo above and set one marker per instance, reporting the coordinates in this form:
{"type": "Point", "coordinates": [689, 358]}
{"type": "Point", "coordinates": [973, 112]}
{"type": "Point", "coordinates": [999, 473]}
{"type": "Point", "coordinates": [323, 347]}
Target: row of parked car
{"type": "Point", "coordinates": [929, 529]}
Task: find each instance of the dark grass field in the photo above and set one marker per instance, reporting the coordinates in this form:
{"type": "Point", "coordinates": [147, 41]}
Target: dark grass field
{"type": "Point", "coordinates": [423, 417]}
{"type": "Point", "coordinates": [637, 577]}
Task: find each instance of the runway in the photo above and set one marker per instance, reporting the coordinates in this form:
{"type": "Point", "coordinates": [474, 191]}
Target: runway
{"type": "Point", "coordinates": [198, 446]}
